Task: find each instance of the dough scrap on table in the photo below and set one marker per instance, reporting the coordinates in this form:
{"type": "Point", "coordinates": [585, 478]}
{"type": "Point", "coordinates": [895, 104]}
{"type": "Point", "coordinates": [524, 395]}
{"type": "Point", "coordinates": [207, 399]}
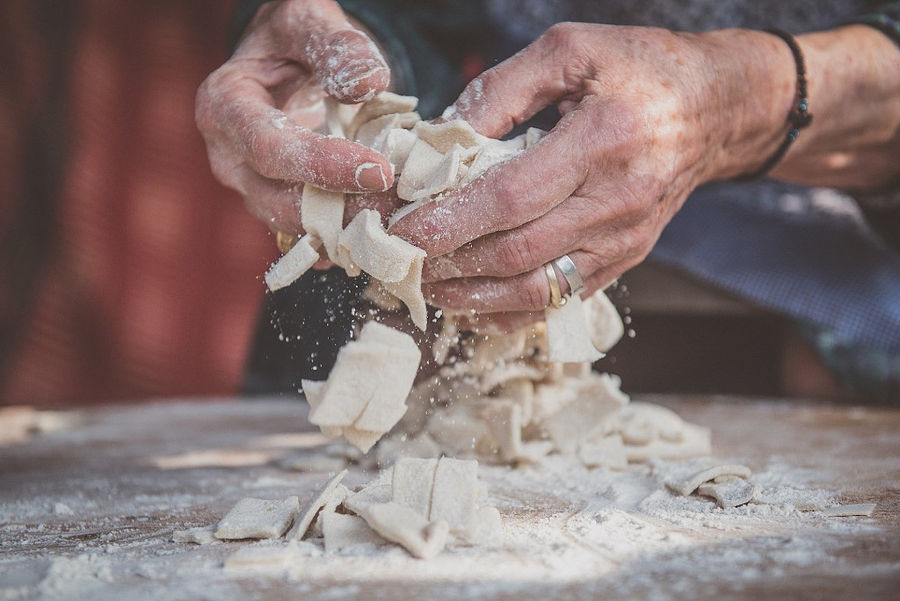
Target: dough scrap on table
{"type": "Point", "coordinates": [258, 518]}
{"type": "Point", "coordinates": [688, 478]}
{"type": "Point", "coordinates": [728, 491]}
{"type": "Point", "coordinates": [305, 519]}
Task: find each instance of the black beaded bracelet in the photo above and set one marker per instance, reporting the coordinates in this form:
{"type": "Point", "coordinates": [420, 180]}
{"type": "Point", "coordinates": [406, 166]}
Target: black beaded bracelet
{"type": "Point", "coordinates": [797, 119]}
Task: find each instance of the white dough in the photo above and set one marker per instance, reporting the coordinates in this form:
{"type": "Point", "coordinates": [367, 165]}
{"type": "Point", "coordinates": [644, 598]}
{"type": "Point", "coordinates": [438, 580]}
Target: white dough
{"type": "Point", "coordinates": [685, 485]}
{"type": "Point", "coordinates": [305, 519]}
{"type": "Point", "coordinates": [293, 264]}
{"type": "Point", "coordinates": [402, 525]}
{"type": "Point", "coordinates": [413, 484]}
{"type": "Point", "coordinates": [341, 531]}
{"type": "Point", "coordinates": [695, 442]}
{"type": "Point", "coordinates": [504, 419]}
{"type": "Point", "coordinates": [598, 398]}
{"type": "Point", "coordinates": [201, 535]}
{"type": "Point", "coordinates": [443, 136]}
{"type": "Point", "coordinates": [605, 325]}
{"type": "Point", "coordinates": [421, 163]}
{"type": "Point", "coordinates": [642, 423]}
{"type": "Point", "coordinates": [454, 493]}
{"type": "Point", "coordinates": [258, 518]}
{"type": "Point", "coordinates": [729, 491]}
{"type": "Point", "coordinates": [568, 335]}
{"type": "Point", "coordinates": [322, 216]}
{"type": "Point", "coordinates": [384, 103]}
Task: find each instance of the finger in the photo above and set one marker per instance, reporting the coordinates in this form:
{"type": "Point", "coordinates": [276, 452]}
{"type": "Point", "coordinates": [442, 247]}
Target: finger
{"type": "Point", "coordinates": [344, 60]}
{"type": "Point", "coordinates": [525, 292]}
{"type": "Point", "coordinates": [278, 148]}
{"type": "Point", "coordinates": [506, 196]}
{"type": "Point", "coordinates": [518, 250]}
{"type": "Point", "coordinates": [272, 202]}
{"type": "Point", "coordinates": [513, 91]}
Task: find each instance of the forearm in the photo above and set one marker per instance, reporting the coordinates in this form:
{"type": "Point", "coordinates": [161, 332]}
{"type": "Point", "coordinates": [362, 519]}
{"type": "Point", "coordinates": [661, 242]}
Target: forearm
{"type": "Point", "coordinates": [854, 93]}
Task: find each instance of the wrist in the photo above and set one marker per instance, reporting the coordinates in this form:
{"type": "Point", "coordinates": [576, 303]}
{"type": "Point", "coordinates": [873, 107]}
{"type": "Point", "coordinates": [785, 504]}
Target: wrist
{"type": "Point", "coordinates": [752, 89]}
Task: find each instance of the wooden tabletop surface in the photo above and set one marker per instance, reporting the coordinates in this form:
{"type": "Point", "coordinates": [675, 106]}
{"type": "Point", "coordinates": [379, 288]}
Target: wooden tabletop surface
{"type": "Point", "coordinates": [88, 513]}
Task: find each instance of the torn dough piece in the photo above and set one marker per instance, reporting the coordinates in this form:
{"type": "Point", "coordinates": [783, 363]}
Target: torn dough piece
{"type": "Point", "coordinates": [444, 176]}
{"type": "Point", "coordinates": [385, 103]}
{"type": "Point", "coordinates": [641, 423]}
{"type": "Point", "coordinates": [454, 493]}
{"type": "Point", "coordinates": [728, 491]}
{"type": "Point", "coordinates": [402, 525]}
{"type": "Point", "coordinates": [201, 535]}
{"type": "Point", "coordinates": [413, 483]}
{"type": "Point", "coordinates": [696, 441]}
{"type": "Point", "coordinates": [605, 326]}
{"type": "Point", "coordinates": [850, 510]}
{"type": "Point", "coordinates": [305, 519]}
{"type": "Point", "coordinates": [493, 152]}
{"type": "Point", "coordinates": [341, 531]}
{"type": "Point", "coordinates": [504, 419]}
{"type": "Point", "coordinates": [443, 136]}
{"type": "Point", "coordinates": [422, 161]}
{"type": "Point", "coordinates": [598, 398]}
{"type": "Point", "coordinates": [568, 335]}
{"type": "Point", "coordinates": [684, 486]}
{"type": "Point", "coordinates": [367, 388]}
{"type": "Point", "coordinates": [394, 262]}
{"type": "Point", "coordinates": [293, 264]}
{"type": "Point", "coordinates": [258, 518]}
{"type": "Point", "coordinates": [322, 216]}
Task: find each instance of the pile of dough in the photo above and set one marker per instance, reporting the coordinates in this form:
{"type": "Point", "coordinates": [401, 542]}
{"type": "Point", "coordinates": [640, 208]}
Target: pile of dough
{"type": "Point", "coordinates": [365, 393]}
{"type": "Point", "coordinates": [419, 504]}
{"type": "Point", "coordinates": [500, 398]}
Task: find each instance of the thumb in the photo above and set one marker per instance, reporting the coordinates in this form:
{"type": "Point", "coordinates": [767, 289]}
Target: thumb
{"type": "Point", "coordinates": [344, 60]}
{"type": "Point", "coordinates": [513, 91]}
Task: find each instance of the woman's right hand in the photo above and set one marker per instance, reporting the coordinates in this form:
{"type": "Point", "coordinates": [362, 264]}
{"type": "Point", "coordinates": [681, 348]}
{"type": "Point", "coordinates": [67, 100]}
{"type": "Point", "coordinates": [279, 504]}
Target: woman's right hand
{"type": "Point", "coordinates": [258, 110]}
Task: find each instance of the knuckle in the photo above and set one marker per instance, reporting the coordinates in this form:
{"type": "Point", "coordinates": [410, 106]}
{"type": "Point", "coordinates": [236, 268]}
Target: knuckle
{"type": "Point", "coordinates": [534, 294]}
{"type": "Point", "coordinates": [516, 254]}
{"type": "Point", "coordinates": [560, 35]}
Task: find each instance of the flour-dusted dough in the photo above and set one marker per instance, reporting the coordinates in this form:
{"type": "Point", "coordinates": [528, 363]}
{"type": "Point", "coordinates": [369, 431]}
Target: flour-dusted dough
{"type": "Point", "coordinates": [486, 528]}
{"type": "Point", "coordinates": [322, 216]}
{"type": "Point", "coordinates": [335, 499]}
{"type": "Point", "coordinates": [391, 449]}
{"type": "Point", "coordinates": [402, 525]}
{"type": "Point", "coordinates": [443, 136]}
{"type": "Point", "coordinates": [729, 491]}
{"type": "Point", "coordinates": [493, 153]}
{"type": "Point", "coordinates": [385, 103]}
{"type": "Point", "coordinates": [375, 133]}
{"type": "Point", "coordinates": [504, 419]}
{"type": "Point", "coordinates": [341, 531]}
{"type": "Point", "coordinates": [533, 135]}
{"type": "Point", "coordinates": [444, 176]}
{"type": "Point", "coordinates": [413, 483]}
{"type": "Point", "coordinates": [338, 117]}
{"type": "Point", "coordinates": [696, 441]}
{"type": "Point", "coordinates": [850, 510]}
{"type": "Point", "coordinates": [421, 163]}
{"type": "Point", "coordinates": [293, 264]}
{"type": "Point", "coordinates": [306, 517]}
{"type": "Point", "coordinates": [607, 451]}
{"type": "Point", "coordinates": [258, 518]}
{"type": "Point", "coordinates": [642, 423]}
{"type": "Point", "coordinates": [366, 390]}
{"type": "Point", "coordinates": [598, 398]}
{"type": "Point", "coordinates": [454, 493]}
{"type": "Point", "coordinates": [605, 326]}
{"type": "Point", "coordinates": [201, 535]}
{"type": "Point", "coordinates": [568, 336]}
{"type": "Point", "coordinates": [689, 480]}
{"type": "Point", "coordinates": [398, 146]}
{"type": "Point", "coordinates": [396, 263]}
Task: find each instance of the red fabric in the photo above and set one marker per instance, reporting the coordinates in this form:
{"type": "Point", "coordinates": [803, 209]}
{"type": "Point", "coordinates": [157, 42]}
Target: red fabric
{"type": "Point", "coordinates": [155, 280]}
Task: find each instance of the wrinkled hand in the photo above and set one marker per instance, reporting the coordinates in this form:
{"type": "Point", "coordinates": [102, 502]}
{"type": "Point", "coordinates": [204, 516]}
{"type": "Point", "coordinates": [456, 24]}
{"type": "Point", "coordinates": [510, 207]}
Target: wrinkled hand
{"type": "Point", "coordinates": [646, 117]}
{"type": "Point", "coordinates": [257, 111]}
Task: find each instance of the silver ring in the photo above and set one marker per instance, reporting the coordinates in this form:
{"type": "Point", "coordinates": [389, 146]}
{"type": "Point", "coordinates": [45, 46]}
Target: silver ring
{"type": "Point", "coordinates": [570, 272]}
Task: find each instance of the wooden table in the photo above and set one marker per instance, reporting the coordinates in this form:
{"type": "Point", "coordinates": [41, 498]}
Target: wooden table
{"type": "Point", "coordinates": [88, 513]}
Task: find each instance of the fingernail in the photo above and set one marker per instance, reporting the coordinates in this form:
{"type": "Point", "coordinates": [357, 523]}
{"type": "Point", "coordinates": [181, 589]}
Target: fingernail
{"type": "Point", "coordinates": [371, 177]}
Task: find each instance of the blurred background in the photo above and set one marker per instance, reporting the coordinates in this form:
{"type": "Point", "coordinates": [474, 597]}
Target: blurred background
{"type": "Point", "coordinates": [127, 272]}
